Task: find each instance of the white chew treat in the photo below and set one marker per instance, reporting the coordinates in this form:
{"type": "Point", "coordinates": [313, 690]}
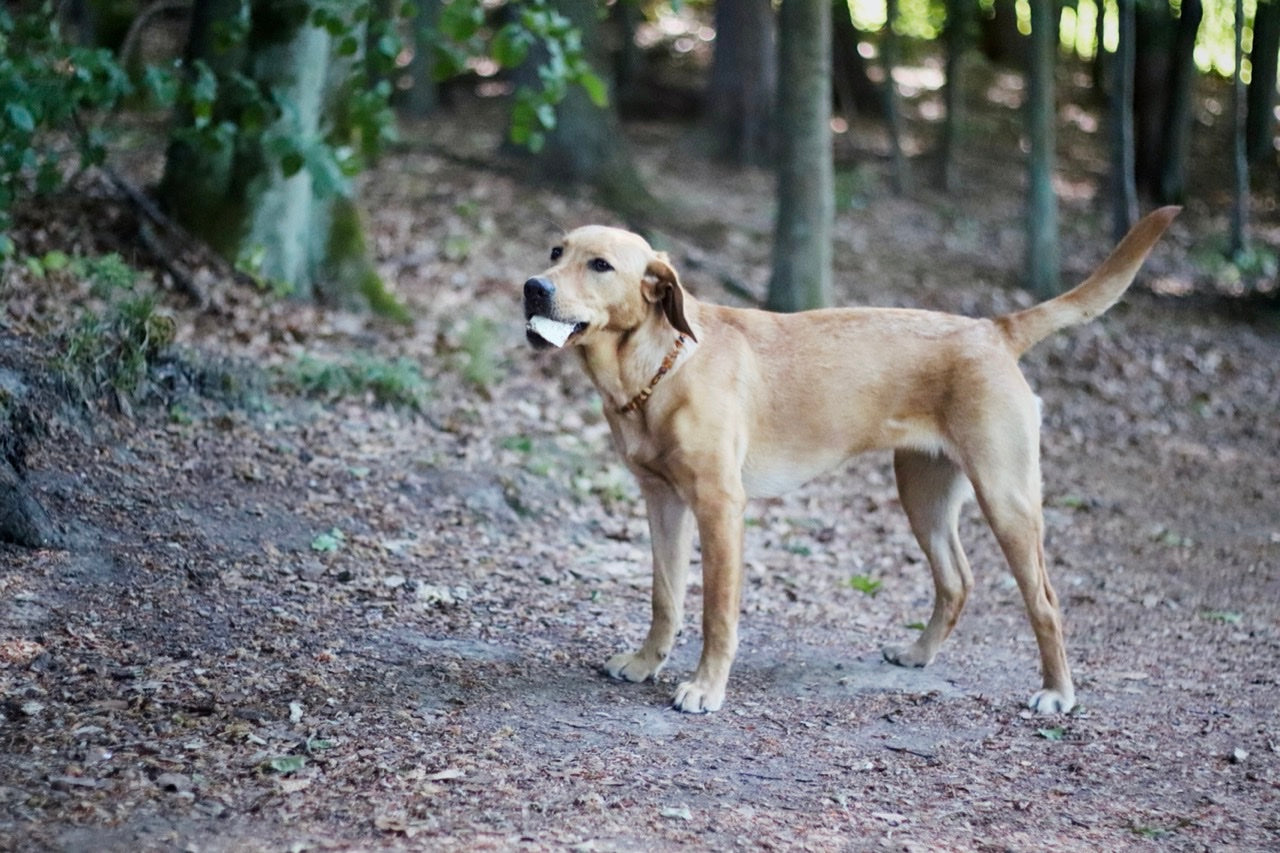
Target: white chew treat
{"type": "Point", "coordinates": [552, 331]}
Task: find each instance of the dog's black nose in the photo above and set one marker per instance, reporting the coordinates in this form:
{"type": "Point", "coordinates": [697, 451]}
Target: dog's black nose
{"type": "Point", "coordinates": [538, 288]}
{"type": "Point", "coordinates": [539, 293]}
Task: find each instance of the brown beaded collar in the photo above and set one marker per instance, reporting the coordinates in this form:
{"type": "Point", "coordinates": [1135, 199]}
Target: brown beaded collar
{"type": "Point", "coordinates": [638, 401]}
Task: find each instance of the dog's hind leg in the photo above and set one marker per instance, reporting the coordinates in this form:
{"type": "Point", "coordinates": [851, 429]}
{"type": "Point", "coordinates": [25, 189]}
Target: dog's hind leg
{"type": "Point", "coordinates": [933, 490]}
{"type": "Point", "coordinates": [671, 531]}
{"type": "Point", "coordinates": [1004, 466]}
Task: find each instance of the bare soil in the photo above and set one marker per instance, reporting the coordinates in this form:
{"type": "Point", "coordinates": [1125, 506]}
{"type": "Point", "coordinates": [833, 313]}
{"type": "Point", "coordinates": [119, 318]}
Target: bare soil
{"type": "Point", "coordinates": [198, 668]}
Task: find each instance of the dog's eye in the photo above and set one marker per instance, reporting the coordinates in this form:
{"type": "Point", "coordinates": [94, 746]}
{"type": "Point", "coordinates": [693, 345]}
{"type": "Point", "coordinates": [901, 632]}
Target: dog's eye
{"type": "Point", "coordinates": [600, 265]}
{"type": "Point", "coordinates": [556, 253]}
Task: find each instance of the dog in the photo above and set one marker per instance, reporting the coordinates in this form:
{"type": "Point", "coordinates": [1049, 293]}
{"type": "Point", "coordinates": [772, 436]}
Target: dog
{"type": "Point", "coordinates": [711, 405]}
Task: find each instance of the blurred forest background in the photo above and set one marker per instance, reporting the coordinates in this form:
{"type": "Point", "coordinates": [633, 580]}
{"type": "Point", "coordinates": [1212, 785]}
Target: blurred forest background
{"type": "Point", "coordinates": [301, 546]}
{"type": "Point", "coordinates": [266, 113]}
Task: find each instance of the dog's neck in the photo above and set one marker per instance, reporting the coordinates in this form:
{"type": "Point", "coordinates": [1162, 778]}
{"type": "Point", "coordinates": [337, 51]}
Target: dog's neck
{"type": "Point", "coordinates": [628, 371]}
{"type": "Point", "coordinates": [637, 402]}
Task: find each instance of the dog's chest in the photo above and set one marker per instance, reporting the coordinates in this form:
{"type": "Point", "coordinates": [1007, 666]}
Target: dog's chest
{"type": "Point", "coordinates": [638, 448]}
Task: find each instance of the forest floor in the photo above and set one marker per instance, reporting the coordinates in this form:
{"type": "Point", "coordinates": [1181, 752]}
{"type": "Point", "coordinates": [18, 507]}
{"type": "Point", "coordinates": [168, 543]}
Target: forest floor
{"type": "Point", "coordinates": [283, 621]}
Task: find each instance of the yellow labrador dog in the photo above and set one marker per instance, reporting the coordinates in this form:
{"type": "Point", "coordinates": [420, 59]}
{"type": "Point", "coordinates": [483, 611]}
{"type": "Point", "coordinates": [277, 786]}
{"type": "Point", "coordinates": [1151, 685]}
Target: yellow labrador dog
{"type": "Point", "coordinates": [710, 406]}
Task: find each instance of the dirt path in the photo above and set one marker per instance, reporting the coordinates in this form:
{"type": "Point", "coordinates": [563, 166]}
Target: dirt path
{"type": "Point", "coordinates": [202, 669]}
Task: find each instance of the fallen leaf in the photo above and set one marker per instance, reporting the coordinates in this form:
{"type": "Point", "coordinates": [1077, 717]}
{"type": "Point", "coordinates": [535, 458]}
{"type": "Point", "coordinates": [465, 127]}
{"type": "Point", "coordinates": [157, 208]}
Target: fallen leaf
{"type": "Point", "coordinates": [451, 773]}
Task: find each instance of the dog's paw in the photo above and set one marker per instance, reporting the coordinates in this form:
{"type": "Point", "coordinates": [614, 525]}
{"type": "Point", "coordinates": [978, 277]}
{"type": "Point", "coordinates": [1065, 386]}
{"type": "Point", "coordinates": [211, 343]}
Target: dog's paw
{"type": "Point", "coordinates": [1051, 702]}
{"type": "Point", "coordinates": [906, 656]}
{"type": "Point", "coordinates": [632, 667]}
{"type": "Point", "coordinates": [693, 697]}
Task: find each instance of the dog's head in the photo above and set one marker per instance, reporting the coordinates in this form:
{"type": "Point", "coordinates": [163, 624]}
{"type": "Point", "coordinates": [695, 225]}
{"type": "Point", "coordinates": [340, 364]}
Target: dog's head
{"type": "Point", "coordinates": [601, 280]}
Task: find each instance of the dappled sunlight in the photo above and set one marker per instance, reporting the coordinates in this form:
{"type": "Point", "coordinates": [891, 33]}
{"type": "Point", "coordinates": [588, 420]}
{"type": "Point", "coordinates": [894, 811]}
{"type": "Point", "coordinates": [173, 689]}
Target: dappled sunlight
{"type": "Point", "coordinates": [1007, 90]}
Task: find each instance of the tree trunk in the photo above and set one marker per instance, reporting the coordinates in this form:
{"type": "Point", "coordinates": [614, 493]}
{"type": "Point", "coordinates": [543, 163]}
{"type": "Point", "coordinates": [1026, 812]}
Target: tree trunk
{"type": "Point", "coordinates": [1099, 66]}
{"type": "Point", "coordinates": [1042, 204]}
{"type": "Point", "coordinates": [742, 89]}
{"type": "Point", "coordinates": [1238, 240]}
{"type": "Point", "coordinates": [1262, 86]}
{"type": "Point", "coordinates": [1124, 192]}
{"type": "Point", "coordinates": [1154, 36]}
{"type": "Point", "coordinates": [1164, 75]}
{"type": "Point", "coordinates": [856, 93]}
{"type": "Point", "coordinates": [806, 197]}
{"type": "Point", "coordinates": [423, 95]}
{"type": "Point", "coordinates": [1000, 40]}
{"type": "Point", "coordinates": [957, 44]}
{"type": "Point", "coordinates": [265, 191]}
{"type": "Point", "coordinates": [1178, 118]}
{"type": "Point", "coordinates": [892, 112]}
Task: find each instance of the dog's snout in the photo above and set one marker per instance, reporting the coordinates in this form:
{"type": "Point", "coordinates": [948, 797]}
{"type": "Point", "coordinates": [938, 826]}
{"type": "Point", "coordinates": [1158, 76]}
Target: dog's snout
{"type": "Point", "coordinates": [539, 293]}
{"type": "Point", "coordinates": [538, 288]}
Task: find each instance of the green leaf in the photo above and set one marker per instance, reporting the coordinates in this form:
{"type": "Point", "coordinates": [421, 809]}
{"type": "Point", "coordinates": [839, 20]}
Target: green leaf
{"type": "Point", "coordinates": [55, 260]}
{"type": "Point", "coordinates": [865, 585]}
{"type": "Point", "coordinates": [510, 46]}
{"type": "Point", "coordinates": [162, 83]}
{"type": "Point", "coordinates": [595, 88]}
{"type": "Point", "coordinates": [546, 116]}
{"type": "Point", "coordinates": [329, 542]}
{"type": "Point", "coordinates": [20, 117]}
{"type": "Point", "coordinates": [287, 763]}
{"type": "Point", "coordinates": [292, 163]}
{"type": "Point", "coordinates": [1226, 617]}
{"type": "Point", "coordinates": [1054, 734]}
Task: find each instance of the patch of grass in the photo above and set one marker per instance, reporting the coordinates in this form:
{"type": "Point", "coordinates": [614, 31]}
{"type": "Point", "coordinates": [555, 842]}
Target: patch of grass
{"type": "Point", "coordinates": [518, 443]}
{"type": "Point", "coordinates": [328, 543]}
{"type": "Point", "coordinates": [112, 344]}
{"type": "Point", "coordinates": [866, 585]}
{"type": "Point", "coordinates": [397, 382]}
{"type": "Point", "coordinates": [482, 363]}
{"type": "Point", "coordinates": [1226, 617]}
{"type": "Point", "coordinates": [798, 548]}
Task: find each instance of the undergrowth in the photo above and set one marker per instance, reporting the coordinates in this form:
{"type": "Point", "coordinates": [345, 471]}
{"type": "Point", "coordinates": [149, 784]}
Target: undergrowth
{"type": "Point", "coordinates": [112, 340]}
{"type": "Point", "coordinates": [393, 382]}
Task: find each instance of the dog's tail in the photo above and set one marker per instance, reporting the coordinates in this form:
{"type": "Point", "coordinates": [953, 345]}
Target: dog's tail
{"type": "Point", "coordinates": [1097, 293]}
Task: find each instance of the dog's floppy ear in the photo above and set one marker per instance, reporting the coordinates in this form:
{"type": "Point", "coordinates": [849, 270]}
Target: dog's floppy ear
{"type": "Point", "coordinates": [661, 285]}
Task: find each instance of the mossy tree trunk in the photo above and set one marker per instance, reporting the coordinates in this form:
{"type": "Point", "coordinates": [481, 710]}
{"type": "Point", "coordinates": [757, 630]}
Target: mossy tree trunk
{"type": "Point", "coordinates": [1042, 203]}
{"type": "Point", "coordinates": [806, 185]}
{"type": "Point", "coordinates": [259, 171]}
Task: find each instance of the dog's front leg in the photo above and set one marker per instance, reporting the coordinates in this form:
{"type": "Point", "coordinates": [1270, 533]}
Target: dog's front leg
{"type": "Point", "coordinates": [720, 523]}
{"type": "Point", "coordinates": [671, 529]}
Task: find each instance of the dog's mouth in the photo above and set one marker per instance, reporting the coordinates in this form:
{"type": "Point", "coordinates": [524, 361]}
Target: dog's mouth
{"type": "Point", "coordinates": [543, 332]}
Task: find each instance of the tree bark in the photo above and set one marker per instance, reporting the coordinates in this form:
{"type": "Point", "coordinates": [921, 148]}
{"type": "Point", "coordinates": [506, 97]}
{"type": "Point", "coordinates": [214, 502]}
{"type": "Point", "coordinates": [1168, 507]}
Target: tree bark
{"type": "Point", "coordinates": [742, 89]}
{"type": "Point", "coordinates": [892, 111]}
{"type": "Point", "coordinates": [1262, 86]}
{"type": "Point", "coordinates": [1164, 74]}
{"type": "Point", "coordinates": [806, 199]}
{"type": "Point", "coordinates": [1042, 204]}
{"type": "Point", "coordinates": [1238, 239]}
{"type": "Point", "coordinates": [957, 39]}
{"type": "Point", "coordinates": [1176, 133]}
{"type": "Point", "coordinates": [1124, 192]}
{"type": "Point", "coordinates": [293, 226]}
{"type": "Point", "coordinates": [856, 93]}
